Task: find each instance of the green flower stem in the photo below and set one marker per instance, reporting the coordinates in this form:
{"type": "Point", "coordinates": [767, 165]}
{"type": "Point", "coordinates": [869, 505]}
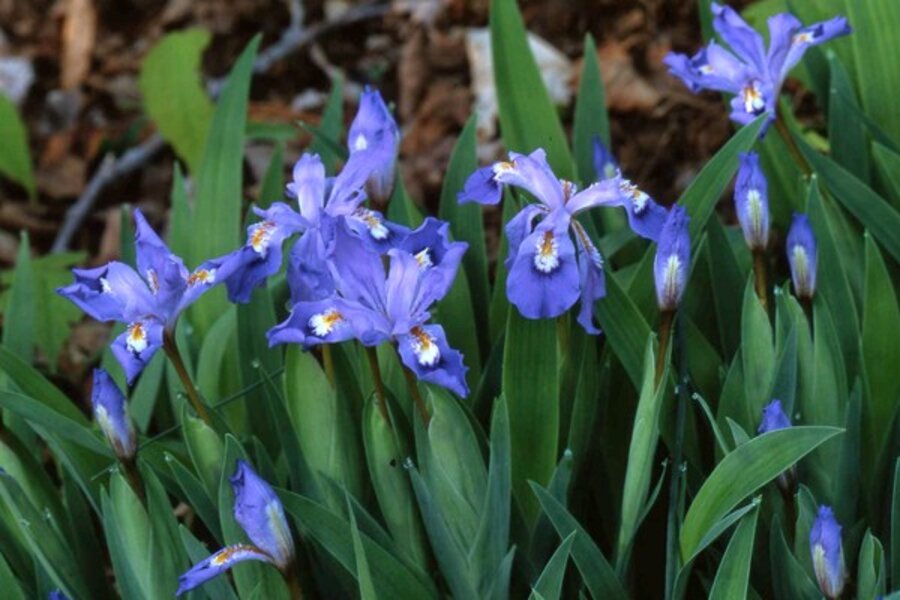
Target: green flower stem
{"type": "Point", "coordinates": [293, 582]}
{"type": "Point", "coordinates": [171, 350]}
{"type": "Point", "coordinates": [665, 334]}
{"type": "Point", "coordinates": [759, 276]}
{"type": "Point", "coordinates": [673, 561]}
{"type": "Point", "coordinates": [372, 355]}
{"type": "Point", "coordinates": [328, 363]}
{"type": "Point", "coordinates": [413, 386]}
{"type": "Point", "coordinates": [785, 133]}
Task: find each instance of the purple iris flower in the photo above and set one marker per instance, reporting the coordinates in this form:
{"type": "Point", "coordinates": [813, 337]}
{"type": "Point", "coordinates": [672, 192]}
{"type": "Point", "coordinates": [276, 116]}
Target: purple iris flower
{"type": "Point", "coordinates": [827, 553]}
{"type": "Point", "coordinates": [148, 300]}
{"type": "Point", "coordinates": [373, 306]}
{"type": "Point", "coordinates": [673, 259]}
{"type": "Point", "coordinates": [320, 202]}
{"type": "Point", "coordinates": [547, 272]}
{"type": "Point", "coordinates": [112, 416]}
{"type": "Point", "coordinates": [753, 74]}
{"type": "Point", "coordinates": [57, 595]}
{"type": "Point", "coordinates": [375, 130]}
{"type": "Point", "coordinates": [802, 256]}
{"type": "Point", "coordinates": [645, 216]}
{"type": "Point", "coordinates": [773, 418]}
{"type": "Point", "coordinates": [260, 514]}
{"type": "Point", "coordinates": [751, 201]}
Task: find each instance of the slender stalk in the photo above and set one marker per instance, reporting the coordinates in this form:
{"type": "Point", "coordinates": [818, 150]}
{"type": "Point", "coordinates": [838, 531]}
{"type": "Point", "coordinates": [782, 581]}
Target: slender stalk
{"type": "Point", "coordinates": [328, 362]}
{"type": "Point", "coordinates": [759, 273]}
{"type": "Point", "coordinates": [413, 386]}
{"type": "Point", "coordinates": [171, 349]}
{"type": "Point", "coordinates": [372, 355]}
{"type": "Point", "coordinates": [665, 333]}
{"type": "Point", "coordinates": [675, 491]}
{"type": "Point", "coordinates": [293, 582]}
{"type": "Point", "coordinates": [782, 128]}
{"type": "Point", "coordinates": [134, 478]}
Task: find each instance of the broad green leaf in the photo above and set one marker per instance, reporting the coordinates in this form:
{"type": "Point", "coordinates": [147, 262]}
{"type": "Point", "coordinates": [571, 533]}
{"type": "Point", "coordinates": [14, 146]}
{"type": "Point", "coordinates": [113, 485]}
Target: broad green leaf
{"type": "Point", "coordinates": [846, 133]}
{"type": "Point", "coordinates": [15, 160]}
{"type": "Point", "coordinates": [624, 326]}
{"type": "Point", "coordinates": [19, 315]}
{"type": "Point", "coordinates": [218, 207]}
{"type": "Point", "coordinates": [549, 585]}
{"type": "Point", "coordinates": [330, 126]}
{"type": "Point", "coordinates": [467, 226]}
{"type": "Point", "coordinates": [34, 385]}
{"type": "Point", "coordinates": [742, 472]}
{"type": "Point", "coordinates": [733, 575]}
{"type": "Point", "coordinates": [385, 454]}
{"type": "Point", "coordinates": [393, 578]}
{"type": "Point", "coordinates": [895, 524]}
{"type": "Point", "coordinates": [871, 573]}
{"type": "Point", "coordinates": [880, 331]}
{"type": "Point", "coordinates": [531, 388]}
{"type": "Point", "coordinates": [457, 313]}
{"type": "Point", "coordinates": [59, 424]}
{"type": "Point", "coordinates": [724, 270]}
{"type": "Point", "coordinates": [528, 119]}
{"type": "Point", "coordinates": [272, 186]}
{"type": "Point", "coordinates": [46, 545]}
{"type": "Point", "coordinates": [12, 588]}
{"type": "Point", "coordinates": [888, 163]}
{"type": "Point", "coordinates": [758, 354]}
{"type": "Point", "coordinates": [196, 496]}
{"type": "Point", "coordinates": [879, 217]}
{"type": "Point", "coordinates": [789, 579]}
{"type": "Point", "coordinates": [363, 572]}
{"type": "Point", "coordinates": [641, 455]}
{"type": "Point", "coordinates": [873, 38]}
{"type": "Point", "coordinates": [591, 118]}
{"type": "Point", "coordinates": [174, 95]}
{"type": "Point", "coordinates": [596, 572]}
{"type": "Point", "coordinates": [700, 198]}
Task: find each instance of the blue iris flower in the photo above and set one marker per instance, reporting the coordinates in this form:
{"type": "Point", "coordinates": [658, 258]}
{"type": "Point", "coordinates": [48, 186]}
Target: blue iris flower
{"type": "Point", "coordinates": [751, 201]}
{"type": "Point", "coordinates": [827, 553]}
{"type": "Point", "coordinates": [260, 514]}
{"type": "Point", "coordinates": [802, 256]}
{"type": "Point", "coordinates": [773, 418]}
{"type": "Point", "coordinates": [320, 203]}
{"type": "Point", "coordinates": [148, 300]}
{"type": "Point", "coordinates": [112, 416]}
{"type": "Point", "coordinates": [548, 273]}
{"type": "Point", "coordinates": [673, 259]}
{"type": "Point", "coordinates": [751, 73]}
{"type": "Point", "coordinates": [375, 306]}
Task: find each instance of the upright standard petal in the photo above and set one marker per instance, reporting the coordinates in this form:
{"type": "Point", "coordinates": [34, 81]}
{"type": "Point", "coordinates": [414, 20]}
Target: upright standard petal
{"type": "Point", "coordinates": [543, 279]}
{"type": "Point", "coordinates": [308, 186]}
{"type": "Point", "coordinates": [605, 165]}
{"type": "Point", "coordinates": [673, 260]}
{"type": "Point", "coordinates": [217, 564]}
{"type": "Point", "coordinates": [408, 293]}
{"type": "Point", "coordinates": [743, 39]}
{"type": "Point", "coordinates": [773, 418]}
{"type": "Point", "coordinates": [358, 273]}
{"type": "Point", "coordinates": [259, 512]}
{"type": "Point", "coordinates": [827, 553]}
{"type": "Point", "coordinates": [375, 131]}
{"type": "Point", "coordinates": [112, 416]}
{"type": "Point", "coordinates": [602, 193]}
{"type": "Point", "coordinates": [751, 201]}
{"type": "Point", "coordinates": [802, 256]}
{"type": "Point", "coordinates": [308, 273]}
{"type": "Point", "coordinates": [164, 272]}
{"type": "Point", "coordinates": [424, 350]}
{"type": "Point", "coordinates": [533, 174]}
{"type": "Point", "coordinates": [135, 346]}
{"type": "Point", "coordinates": [437, 256]}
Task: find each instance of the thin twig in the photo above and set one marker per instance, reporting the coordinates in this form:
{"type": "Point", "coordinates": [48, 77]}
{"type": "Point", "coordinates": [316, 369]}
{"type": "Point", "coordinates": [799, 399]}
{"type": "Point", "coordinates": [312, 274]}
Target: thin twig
{"type": "Point", "coordinates": [294, 37]}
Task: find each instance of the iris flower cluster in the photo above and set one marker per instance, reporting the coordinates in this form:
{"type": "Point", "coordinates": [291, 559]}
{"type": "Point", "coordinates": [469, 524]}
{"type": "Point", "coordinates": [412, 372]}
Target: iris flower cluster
{"type": "Point", "coordinates": [752, 73]}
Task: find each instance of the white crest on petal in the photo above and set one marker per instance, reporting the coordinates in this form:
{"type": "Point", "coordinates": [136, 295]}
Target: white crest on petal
{"type": "Point", "coordinates": [205, 276]}
{"type": "Point", "coordinates": [373, 223]}
{"type": "Point", "coordinates": [104, 286]}
{"type": "Point", "coordinates": [136, 339]}
{"type": "Point", "coordinates": [425, 347]}
{"type": "Point", "coordinates": [260, 237]}
{"type": "Point", "coordinates": [360, 143]}
{"type": "Point", "coordinates": [639, 198]}
{"type": "Point", "coordinates": [546, 255]}
{"type": "Point", "coordinates": [670, 279]}
{"type": "Point", "coordinates": [424, 259]}
{"type": "Point", "coordinates": [752, 97]}
{"type": "Point", "coordinates": [325, 322]}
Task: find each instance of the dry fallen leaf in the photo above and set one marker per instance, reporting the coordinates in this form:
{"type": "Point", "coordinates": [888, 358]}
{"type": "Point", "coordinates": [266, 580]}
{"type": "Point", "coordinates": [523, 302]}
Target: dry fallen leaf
{"type": "Point", "coordinates": [626, 89]}
{"type": "Point", "coordinates": [79, 33]}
